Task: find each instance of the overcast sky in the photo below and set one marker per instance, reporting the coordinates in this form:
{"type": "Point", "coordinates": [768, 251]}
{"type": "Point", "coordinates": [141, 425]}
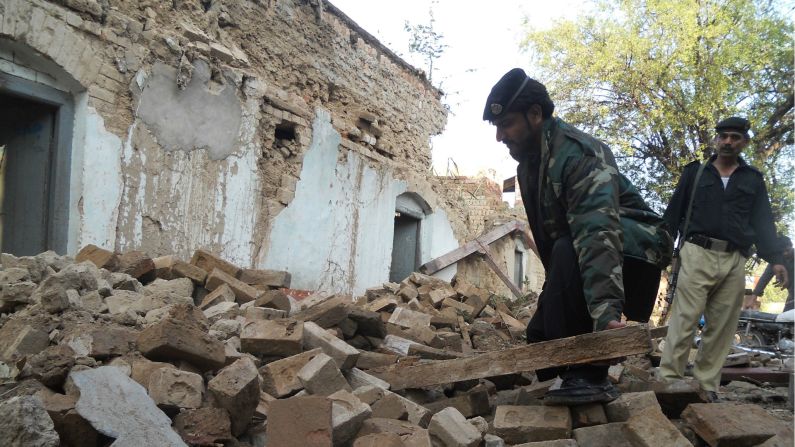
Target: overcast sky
{"type": "Point", "coordinates": [483, 41]}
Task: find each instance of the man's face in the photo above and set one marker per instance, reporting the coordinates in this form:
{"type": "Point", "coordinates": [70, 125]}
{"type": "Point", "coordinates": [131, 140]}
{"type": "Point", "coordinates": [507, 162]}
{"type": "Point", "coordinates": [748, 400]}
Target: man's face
{"type": "Point", "coordinates": [730, 143]}
{"type": "Point", "coordinates": [521, 132]}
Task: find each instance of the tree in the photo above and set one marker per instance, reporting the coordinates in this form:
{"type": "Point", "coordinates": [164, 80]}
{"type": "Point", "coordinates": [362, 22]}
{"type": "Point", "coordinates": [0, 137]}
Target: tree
{"type": "Point", "coordinates": [652, 77]}
{"type": "Point", "coordinates": [425, 41]}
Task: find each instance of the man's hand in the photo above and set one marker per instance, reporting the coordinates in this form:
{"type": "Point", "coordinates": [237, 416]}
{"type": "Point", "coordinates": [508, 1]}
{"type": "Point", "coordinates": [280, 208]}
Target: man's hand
{"type": "Point", "coordinates": [749, 302]}
{"type": "Point", "coordinates": [782, 279]}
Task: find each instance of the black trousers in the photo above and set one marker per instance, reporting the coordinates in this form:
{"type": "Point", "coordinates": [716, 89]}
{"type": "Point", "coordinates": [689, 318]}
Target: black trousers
{"type": "Point", "coordinates": [562, 311]}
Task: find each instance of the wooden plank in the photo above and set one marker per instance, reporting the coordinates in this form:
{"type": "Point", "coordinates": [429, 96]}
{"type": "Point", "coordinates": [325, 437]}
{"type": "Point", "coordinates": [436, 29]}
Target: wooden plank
{"type": "Point", "coordinates": [753, 375]}
{"type": "Point", "coordinates": [658, 332]}
{"type": "Point", "coordinates": [470, 247]}
{"type": "Point", "coordinates": [493, 264]}
{"type": "Point", "coordinates": [565, 351]}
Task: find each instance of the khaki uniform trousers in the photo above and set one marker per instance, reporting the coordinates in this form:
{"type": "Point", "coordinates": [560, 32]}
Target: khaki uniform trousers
{"type": "Point", "coordinates": [711, 283]}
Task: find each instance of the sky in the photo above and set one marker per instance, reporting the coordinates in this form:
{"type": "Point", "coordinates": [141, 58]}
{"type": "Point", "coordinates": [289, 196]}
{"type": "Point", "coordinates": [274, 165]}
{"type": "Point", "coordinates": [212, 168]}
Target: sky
{"type": "Point", "coordinates": [483, 42]}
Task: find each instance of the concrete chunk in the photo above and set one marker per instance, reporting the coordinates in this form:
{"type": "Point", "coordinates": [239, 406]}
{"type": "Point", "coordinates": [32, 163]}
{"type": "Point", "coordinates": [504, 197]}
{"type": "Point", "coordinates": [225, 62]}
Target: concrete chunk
{"type": "Point", "coordinates": [411, 434]}
{"type": "Point", "coordinates": [25, 423]}
{"type": "Point", "coordinates": [321, 376]}
{"type": "Point", "coordinates": [343, 354]}
{"type": "Point", "coordinates": [517, 424]}
{"type": "Point", "coordinates": [118, 407]}
{"type": "Point", "coordinates": [273, 337]}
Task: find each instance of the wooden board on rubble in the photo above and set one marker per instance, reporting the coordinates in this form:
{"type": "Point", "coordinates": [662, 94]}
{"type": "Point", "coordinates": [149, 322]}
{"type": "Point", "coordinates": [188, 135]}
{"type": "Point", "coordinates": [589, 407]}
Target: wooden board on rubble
{"type": "Point", "coordinates": [566, 351]}
{"type": "Point", "coordinates": [754, 375]}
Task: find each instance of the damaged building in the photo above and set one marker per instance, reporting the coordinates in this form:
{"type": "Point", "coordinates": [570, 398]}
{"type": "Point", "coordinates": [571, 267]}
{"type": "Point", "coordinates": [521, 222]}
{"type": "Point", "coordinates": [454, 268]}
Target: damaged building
{"type": "Point", "coordinates": [277, 134]}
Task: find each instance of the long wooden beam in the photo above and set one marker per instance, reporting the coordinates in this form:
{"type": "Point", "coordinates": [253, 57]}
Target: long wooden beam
{"type": "Point", "coordinates": [565, 351]}
{"type": "Point", "coordinates": [433, 266]}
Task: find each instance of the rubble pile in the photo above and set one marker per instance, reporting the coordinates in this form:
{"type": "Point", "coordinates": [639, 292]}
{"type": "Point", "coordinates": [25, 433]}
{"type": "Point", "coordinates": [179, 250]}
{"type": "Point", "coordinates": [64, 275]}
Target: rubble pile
{"type": "Point", "coordinates": [125, 350]}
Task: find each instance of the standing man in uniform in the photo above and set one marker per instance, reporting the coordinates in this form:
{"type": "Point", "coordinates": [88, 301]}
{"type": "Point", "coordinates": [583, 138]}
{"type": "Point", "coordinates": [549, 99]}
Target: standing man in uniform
{"type": "Point", "coordinates": [599, 242]}
{"type": "Point", "coordinates": [785, 244]}
{"type": "Point", "coordinates": [730, 212]}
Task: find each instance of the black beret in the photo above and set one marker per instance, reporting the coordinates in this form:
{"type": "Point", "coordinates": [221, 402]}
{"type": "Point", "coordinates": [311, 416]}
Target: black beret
{"type": "Point", "coordinates": [734, 123]}
{"type": "Point", "coordinates": [515, 91]}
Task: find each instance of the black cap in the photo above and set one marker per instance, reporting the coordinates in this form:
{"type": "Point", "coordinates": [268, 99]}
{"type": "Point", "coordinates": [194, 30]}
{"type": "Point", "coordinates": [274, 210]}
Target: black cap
{"type": "Point", "coordinates": [514, 92]}
{"type": "Point", "coordinates": [734, 123]}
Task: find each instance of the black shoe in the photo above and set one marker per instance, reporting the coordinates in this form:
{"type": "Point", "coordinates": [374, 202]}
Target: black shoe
{"type": "Point", "coordinates": [578, 391]}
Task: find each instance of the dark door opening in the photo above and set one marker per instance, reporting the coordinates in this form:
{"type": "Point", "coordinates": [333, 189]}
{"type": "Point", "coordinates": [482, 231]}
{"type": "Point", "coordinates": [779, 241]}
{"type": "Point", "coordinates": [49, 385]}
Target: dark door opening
{"type": "Point", "coordinates": [27, 130]}
{"type": "Point", "coordinates": [518, 273]}
{"type": "Point", "coordinates": [405, 247]}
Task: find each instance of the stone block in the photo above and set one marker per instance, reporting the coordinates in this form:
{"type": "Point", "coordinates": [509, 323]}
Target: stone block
{"type": "Point", "coordinates": [26, 341]}
{"type": "Point", "coordinates": [327, 313]}
{"type": "Point", "coordinates": [672, 396]}
{"type": "Point", "coordinates": [221, 294]}
{"type": "Point", "coordinates": [51, 365]}
{"type": "Point", "coordinates": [138, 265]}
{"type": "Point", "coordinates": [368, 323]}
{"type": "Point", "coordinates": [731, 425]}
{"type": "Point", "coordinates": [182, 269]}
{"type": "Point", "coordinates": [407, 318]}
{"type": "Point", "coordinates": [262, 277]}
{"type": "Point", "coordinates": [416, 413]}
{"type": "Point", "coordinates": [180, 336]}
{"type": "Point", "coordinates": [379, 440]}
{"type": "Point", "coordinates": [25, 422]}
{"type": "Point", "coordinates": [280, 378]}
{"type": "Point", "coordinates": [300, 422]}
{"type": "Point", "coordinates": [204, 426]}
{"type": "Point", "coordinates": [273, 299]}
{"type": "Point", "coordinates": [358, 378]}
{"type": "Point", "coordinates": [255, 313]}
{"type": "Point", "coordinates": [236, 389]}
{"type": "Point", "coordinates": [370, 360]}
{"type": "Point", "coordinates": [222, 311]}
{"type": "Point", "coordinates": [452, 429]}
{"type": "Point", "coordinates": [281, 338]}
{"type": "Point", "coordinates": [474, 403]}
{"type": "Point", "coordinates": [613, 434]}
{"type": "Point", "coordinates": [347, 414]}
{"type": "Point", "coordinates": [243, 292]}
{"type": "Point", "coordinates": [208, 262]}
{"type": "Point", "coordinates": [588, 415]}
{"type": "Point", "coordinates": [343, 354]}
{"type": "Point", "coordinates": [411, 434]}
{"type": "Point", "coordinates": [141, 369]}
{"type": "Point", "coordinates": [517, 424]}
{"type": "Point", "coordinates": [112, 341]}
{"type": "Point", "coordinates": [650, 428]}
{"type": "Point", "coordinates": [387, 303]}
{"type": "Point", "coordinates": [320, 376]}
{"type": "Point", "coordinates": [172, 389]}
{"type": "Point", "coordinates": [102, 258]}
{"type": "Point", "coordinates": [390, 406]}
{"type": "Point", "coordinates": [622, 408]}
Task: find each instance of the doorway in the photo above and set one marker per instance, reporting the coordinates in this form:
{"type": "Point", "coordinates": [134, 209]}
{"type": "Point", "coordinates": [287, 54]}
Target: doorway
{"type": "Point", "coordinates": [405, 247]}
{"type": "Point", "coordinates": [35, 144]}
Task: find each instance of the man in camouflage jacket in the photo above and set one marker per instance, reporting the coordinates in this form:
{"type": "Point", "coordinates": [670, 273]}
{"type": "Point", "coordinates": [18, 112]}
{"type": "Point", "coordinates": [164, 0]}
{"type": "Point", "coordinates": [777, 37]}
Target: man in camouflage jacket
{"type": "Point", "coordinates": [598, 240]}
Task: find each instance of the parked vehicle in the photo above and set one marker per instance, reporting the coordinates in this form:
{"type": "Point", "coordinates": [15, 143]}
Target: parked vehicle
{"type": "Point", "coordinates": [761, 331]}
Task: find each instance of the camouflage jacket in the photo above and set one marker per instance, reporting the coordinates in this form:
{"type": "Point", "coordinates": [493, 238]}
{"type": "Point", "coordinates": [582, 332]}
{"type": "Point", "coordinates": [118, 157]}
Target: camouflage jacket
{"type": "Point", "coordinates": [581, 194]}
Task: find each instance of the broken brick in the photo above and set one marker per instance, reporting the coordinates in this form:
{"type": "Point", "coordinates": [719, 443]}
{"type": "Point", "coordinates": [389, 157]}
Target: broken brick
{"type": "Point", "coordinates": [182, 269]}
{"type": "Point", "coordinates": [271, 278]}
{"type": "Point", "coordinates": [138, 265]}
{"type": "Point", "coordinates": [343, 354]}
{"type": "Point", "coordinates": [280, 378]}
{"type": "Point", "coordinates": [517, 424]}
{"type": "Point", "coordinates": [327, 313]}
{"type": "Point", "coordinates": [347, 415]}
{"type": "Point", "coordinates": [243, 292]}
{"type": "Point", "coordinates": [102, 258]}
{"type": "Point", "coordinates": [203, 426]}
{"type": "Point", "coordinates": [452, 429]}
{"type": "Point", "coordinates": [726, 424]}
{"type": "Point", "coordinates": [172, 389]}
{"type": "Point", "coordinates": [274, 299]}
{"type": "Point", "coordinates": [208, 262]}
{"type": "Point", "coordinates": [221, 294]}
{"type": "Point", "coordinates": [320, 376]}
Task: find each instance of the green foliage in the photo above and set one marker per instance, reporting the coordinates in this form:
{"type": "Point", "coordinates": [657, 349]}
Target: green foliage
{"type": "Point", "coordinates": [652, 77]}
{"type": "Point", "coordinates": [425, 41]}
